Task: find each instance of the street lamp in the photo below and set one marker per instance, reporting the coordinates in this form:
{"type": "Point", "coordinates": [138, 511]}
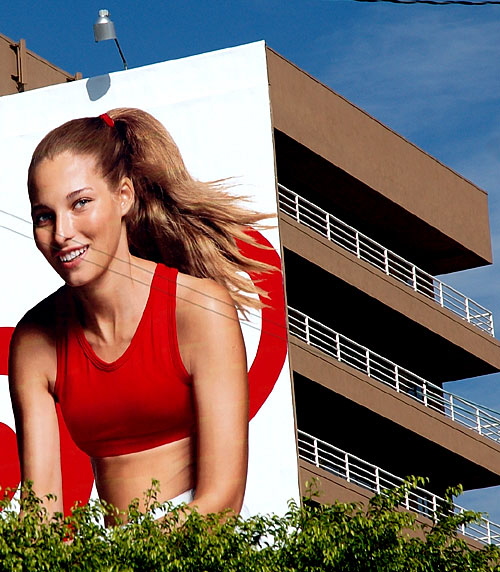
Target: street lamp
{"type": "Point", "coordinates": [104, 29]}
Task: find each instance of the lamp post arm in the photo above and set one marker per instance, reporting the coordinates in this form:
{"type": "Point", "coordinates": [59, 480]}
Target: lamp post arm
{"type": "Point", "coordinates": [125, 65]}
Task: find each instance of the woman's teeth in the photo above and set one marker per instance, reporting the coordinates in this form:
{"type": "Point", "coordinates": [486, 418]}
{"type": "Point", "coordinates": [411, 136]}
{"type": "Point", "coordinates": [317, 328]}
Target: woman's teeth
{"type": "Point", "coordinates": [73, 254]}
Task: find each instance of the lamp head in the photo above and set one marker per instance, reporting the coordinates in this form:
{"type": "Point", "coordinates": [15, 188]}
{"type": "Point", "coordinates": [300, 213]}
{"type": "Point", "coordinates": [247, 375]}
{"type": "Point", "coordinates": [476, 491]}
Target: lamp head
{"type": "Point", "coordinates": [104, 29]}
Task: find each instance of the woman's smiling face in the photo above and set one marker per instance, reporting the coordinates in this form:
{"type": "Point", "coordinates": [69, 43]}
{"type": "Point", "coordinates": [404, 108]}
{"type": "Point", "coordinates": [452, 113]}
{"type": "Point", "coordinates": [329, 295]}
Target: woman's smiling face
{"type": "Point", "coordinates": [77, 219]}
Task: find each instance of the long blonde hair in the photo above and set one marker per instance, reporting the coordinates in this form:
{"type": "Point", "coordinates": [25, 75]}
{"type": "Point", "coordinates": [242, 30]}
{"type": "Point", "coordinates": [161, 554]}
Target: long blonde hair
{"type": "Point", "coordinates": [177, 220]}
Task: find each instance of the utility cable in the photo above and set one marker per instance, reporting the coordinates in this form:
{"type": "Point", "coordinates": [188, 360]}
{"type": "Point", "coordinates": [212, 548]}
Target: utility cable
{"type": "Point", "coordinates": [436, 2]}
{"type": "Point", "coordinates": [245, 321]}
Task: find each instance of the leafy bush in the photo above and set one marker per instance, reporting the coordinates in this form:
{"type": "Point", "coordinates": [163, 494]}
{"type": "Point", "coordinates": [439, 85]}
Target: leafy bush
{"type": "Point", "coordinates": [343, 537]}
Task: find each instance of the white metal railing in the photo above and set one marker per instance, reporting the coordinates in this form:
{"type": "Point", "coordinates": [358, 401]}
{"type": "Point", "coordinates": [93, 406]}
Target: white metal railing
{"type": "Point", "coordinates": [347, 237]}
{"type": "Point", "coordinates": [364, 474]}
{"type": "Point", "coordinates": [402, 380]}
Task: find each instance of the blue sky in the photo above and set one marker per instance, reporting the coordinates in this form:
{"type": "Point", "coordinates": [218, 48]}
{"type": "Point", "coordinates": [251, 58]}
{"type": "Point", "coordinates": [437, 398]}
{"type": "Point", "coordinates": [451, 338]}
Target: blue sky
{"type": "Point", "coordinates": [431, 73]}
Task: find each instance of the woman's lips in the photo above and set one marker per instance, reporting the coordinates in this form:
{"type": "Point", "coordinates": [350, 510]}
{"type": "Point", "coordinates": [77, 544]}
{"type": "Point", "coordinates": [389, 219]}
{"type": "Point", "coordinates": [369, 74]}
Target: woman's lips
{"type": "Point", "coordinates": [69, 256]}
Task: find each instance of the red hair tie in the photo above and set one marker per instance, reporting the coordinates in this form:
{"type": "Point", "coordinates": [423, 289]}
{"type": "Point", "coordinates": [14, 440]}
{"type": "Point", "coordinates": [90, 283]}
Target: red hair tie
{"type": "Point", "coordinates": [107, 119]}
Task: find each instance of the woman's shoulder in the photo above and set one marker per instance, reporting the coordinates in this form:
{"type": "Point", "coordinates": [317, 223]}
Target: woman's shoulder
{"type": "Point", "coordinates": [207, 321]}
{"type": "Point", "coordinates": [197, 294]}
{"type": "Point", "coordinates": [40, 321]}
{"type": "Point", "coordinates": [33, 354]}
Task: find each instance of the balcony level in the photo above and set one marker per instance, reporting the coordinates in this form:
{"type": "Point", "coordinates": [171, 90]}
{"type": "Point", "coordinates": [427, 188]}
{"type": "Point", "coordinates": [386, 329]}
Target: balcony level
{"type": "Point", "coordinates": [332, 465]}
{"type": "Point", "coordinates": [397, 430]}
{"type": "Point", "coordinates": [334, 153]}
{"type": "Point", "coordinates": [379, 256]}
{"type": "Point", "coordinates": [353, 383]}
{"type": "Point", "coordinates": [346, 351]}
{"type": "Point", "coordinates": [382, 312]}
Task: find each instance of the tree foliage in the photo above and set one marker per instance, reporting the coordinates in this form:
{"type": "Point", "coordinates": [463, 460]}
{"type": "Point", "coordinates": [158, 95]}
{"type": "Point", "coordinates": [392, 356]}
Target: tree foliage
{"type": "Point", "coordinates": [343, 537]}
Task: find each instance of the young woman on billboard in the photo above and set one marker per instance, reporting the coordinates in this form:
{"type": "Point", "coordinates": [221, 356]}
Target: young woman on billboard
{"type": "Point", "coordinates": [142, 347]}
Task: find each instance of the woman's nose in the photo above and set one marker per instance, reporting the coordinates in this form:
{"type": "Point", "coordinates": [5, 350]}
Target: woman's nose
{"type": "Point", "coordinates": [63, 230]}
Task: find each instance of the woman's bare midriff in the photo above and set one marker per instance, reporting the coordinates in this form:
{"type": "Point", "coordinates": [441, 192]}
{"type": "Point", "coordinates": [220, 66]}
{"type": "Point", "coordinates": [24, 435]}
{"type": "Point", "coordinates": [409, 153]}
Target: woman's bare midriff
{"type": "Point", "coordinates": [122, 478]}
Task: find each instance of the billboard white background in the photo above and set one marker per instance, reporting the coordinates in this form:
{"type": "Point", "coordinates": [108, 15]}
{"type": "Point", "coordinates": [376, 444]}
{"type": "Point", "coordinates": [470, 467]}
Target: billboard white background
{"type": "Point", "coordinates": [216, 106]}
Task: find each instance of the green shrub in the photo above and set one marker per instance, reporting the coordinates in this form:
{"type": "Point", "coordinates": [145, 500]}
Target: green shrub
{"type": "Point", "coordinates": [343, 537]}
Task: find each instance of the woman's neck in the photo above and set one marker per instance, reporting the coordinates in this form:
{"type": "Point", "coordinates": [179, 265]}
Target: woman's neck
{"type": "Point", "coordinates": [110, 308]}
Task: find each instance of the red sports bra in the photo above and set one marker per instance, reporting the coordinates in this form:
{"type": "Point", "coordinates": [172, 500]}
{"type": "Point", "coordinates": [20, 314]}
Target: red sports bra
{"type": "Point", "coordinates": [141, 400]}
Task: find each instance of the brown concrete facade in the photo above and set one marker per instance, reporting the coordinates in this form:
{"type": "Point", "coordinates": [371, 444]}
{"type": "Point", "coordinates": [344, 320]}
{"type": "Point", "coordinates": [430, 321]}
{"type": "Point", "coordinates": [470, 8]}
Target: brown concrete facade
{"type": "Point", "coordinates": [23, 70]}
{"type": "Point", "coordinates": [394, 170]}
{"type": "Point", "coordinates": [339, 158]}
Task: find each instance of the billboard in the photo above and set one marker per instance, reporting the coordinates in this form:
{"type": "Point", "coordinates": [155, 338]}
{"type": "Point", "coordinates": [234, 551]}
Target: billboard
{"type": "Point", "coordinates": [216, 107]}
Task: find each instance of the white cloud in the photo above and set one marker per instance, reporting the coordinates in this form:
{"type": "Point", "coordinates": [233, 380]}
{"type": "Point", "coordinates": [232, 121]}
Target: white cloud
{"type": "Point", "coordinates": [414, 67]}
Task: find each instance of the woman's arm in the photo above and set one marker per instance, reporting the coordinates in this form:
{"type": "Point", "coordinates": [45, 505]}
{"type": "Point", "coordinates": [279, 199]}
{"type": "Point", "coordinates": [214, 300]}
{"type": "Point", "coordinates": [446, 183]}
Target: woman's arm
{"type": "Point", "coordinates": [32, 367]}
{"type": "Point", "coordinates": [213, 351]}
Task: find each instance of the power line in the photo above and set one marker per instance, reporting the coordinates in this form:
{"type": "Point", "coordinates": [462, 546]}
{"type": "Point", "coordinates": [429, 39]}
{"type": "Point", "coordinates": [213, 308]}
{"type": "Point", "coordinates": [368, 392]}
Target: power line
{"type": "Point", "coordinates": [436, 2]}
{"type": "Point", "coordinates": [245, 321]}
